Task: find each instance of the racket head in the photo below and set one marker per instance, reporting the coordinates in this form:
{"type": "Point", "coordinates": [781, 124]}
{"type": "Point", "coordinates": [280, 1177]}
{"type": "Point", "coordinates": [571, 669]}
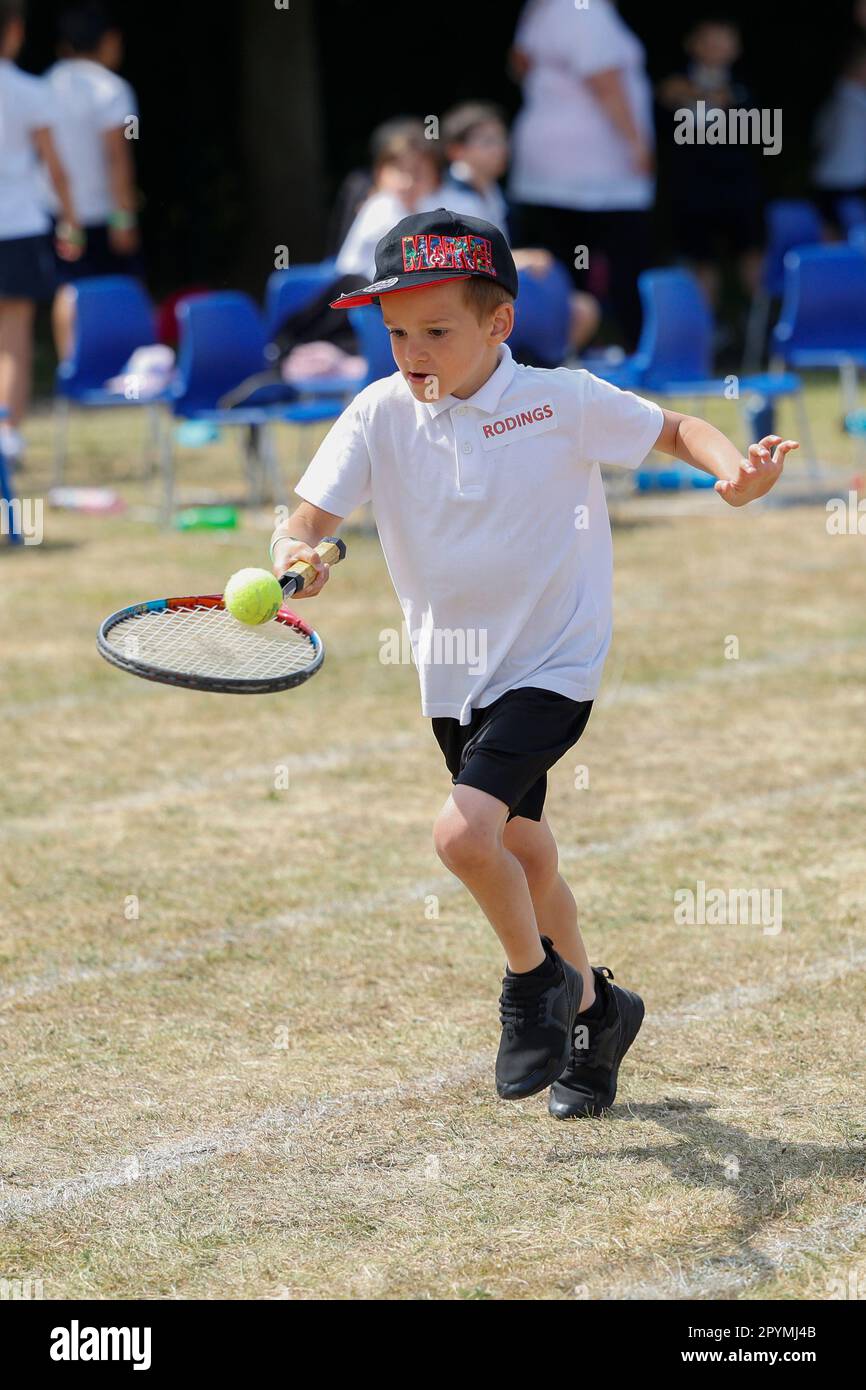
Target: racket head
{"type": "Point", "coordinates": [193, 642]}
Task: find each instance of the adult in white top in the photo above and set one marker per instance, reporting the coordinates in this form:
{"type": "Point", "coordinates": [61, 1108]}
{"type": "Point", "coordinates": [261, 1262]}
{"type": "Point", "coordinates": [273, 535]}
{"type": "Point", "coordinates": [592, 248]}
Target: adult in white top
{"type": "Point", "coordinates": [26, 258]}
{"type": "Point", "coordinates": [840, 137]}
{"type": "Point", "coordinates": [582, 167]}
{"type": "Point", "coordinates": [520, 457]}
{"type": "Point", "coordinates": [95, 129]}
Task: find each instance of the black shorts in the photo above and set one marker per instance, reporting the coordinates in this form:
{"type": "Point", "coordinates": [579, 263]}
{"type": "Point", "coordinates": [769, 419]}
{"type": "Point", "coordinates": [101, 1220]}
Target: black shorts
{"type": "Point", "coordinates": [508, 747]}
{"type": "Point", "coordinates": [26, 268]}
{"type": "Point", "coordinates": [98, 258]}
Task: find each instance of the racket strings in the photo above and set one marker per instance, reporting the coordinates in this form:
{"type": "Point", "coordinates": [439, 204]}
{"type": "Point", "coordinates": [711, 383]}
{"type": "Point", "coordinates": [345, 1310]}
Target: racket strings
{"type": "Point", "coordinates": [210, 642]}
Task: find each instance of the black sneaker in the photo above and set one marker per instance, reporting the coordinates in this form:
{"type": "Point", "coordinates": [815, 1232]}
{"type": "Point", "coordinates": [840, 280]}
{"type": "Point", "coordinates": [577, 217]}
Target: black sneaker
{"type": "Point", "coordinates": [538, 1017]}
{"type": "Point", "coordinates": [588, 1084]}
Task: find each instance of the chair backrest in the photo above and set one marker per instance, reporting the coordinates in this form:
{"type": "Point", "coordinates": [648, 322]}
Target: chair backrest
{"type": "Point", "coordinates": [824, 303]}
{"type": "Point", "coordinates": [857, 237]}
{"type": "Point", "coordinates": [289, 291]}
{"type": "Point", "coordinates": [374, 341]}
{"type": "Point", "coordinates": [222, 342]}
{"type": "Point", "coordinates": [676, 341]}
{"type": "Point", "coordinates": [542, 316]}
{"type": "Point", "coordinates": [790, 222]}
{"type": "Point", "coordinates": [851, 212]}
{"type": "Point", "coordinates": [113, 317]}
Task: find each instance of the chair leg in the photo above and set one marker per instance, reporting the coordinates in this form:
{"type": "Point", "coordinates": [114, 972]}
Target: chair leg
{"type": "Point", "coordinates": [61, 427]}
{"type": "Point", "coordinates": [272, 464]}
{"type": "Point", "coordinates": [756, 332]}
{"type": "Point", "coordinates": [805, 426]}
{"type": "Point", "coordinates": [150, 453]}
{"type": "Point", "coordinates": [849, 383]}
{"type": "Point", "coordinates": [253, 447]}
{"type": "Point", "coordinates": [167, 463]}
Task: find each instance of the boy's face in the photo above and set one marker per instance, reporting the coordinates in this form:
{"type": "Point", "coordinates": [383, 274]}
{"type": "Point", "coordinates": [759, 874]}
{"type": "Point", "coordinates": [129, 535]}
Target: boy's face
{"type": "Point", "coordinates": [486, 151]}
{"type": "Point", "coordinates": [411, 176]}
{"type": "Point", "coordinates": [715, 45]}
{"type": "Point", "coordinates": [438, 343]}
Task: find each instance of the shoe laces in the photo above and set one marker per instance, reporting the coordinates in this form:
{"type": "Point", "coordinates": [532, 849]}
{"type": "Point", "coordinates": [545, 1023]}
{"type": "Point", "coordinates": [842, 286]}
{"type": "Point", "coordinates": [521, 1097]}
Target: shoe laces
{"type": "Point", "coordinates": [520, 1003]}
{"type": "Point", "coordinates": [587, 1055]}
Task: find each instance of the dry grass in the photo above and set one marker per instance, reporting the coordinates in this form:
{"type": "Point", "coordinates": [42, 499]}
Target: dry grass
{"type": "Point", "coordinates": [276, 1081]}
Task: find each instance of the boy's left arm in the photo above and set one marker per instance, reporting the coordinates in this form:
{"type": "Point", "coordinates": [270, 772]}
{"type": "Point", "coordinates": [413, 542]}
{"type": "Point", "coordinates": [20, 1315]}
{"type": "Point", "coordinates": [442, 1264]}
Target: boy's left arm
{"type": "Point", "coordinates": [740, 480]}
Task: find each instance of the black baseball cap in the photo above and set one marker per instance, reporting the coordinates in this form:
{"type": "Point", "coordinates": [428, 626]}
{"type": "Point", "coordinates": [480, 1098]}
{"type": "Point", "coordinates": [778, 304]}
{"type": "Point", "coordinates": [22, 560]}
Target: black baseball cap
{"type": "Point", "coordinates": [430, 247]}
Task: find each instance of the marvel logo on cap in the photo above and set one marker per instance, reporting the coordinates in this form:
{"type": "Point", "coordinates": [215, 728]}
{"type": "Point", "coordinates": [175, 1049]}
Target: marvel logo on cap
{"type": "Point", "coordinates": [429, 247]}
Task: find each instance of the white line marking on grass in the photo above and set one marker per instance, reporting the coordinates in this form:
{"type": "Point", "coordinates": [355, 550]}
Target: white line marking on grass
{"type": "Point", "coordinates": [154, 1162]}
{"type": "Point", "coordinates": [765, 1255]}
{"type": "Point", "coordinates": [166, 792]}
{"type": "Point", "coordinates": [443, 886]}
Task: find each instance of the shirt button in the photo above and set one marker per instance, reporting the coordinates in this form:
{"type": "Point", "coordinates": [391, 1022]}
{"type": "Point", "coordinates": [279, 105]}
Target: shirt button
{"type": "Point", "coordinates": [467, 448]}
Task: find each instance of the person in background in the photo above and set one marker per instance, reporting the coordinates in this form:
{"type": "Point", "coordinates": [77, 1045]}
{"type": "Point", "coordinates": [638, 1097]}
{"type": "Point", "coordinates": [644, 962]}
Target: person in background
{"type": "Point", "coordinates": [476, 145]}
{"type": "Point", "coordinates": [715, 193]}
{"type": "Point", "coordinates": [26, 261]}
{"type": "Point", "coordinates": [407, 175]}
{"type": "Point", "coordinates": [840, 138]}
{"type": "Point", "coordinates": [95, 108]}
{"type": "Point", "coordinates": [582, 171]}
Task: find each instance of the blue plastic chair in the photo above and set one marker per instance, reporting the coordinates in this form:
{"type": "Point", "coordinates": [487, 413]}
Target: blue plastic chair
{"type": "Point", "coordinates": [113, 317]}
{"type": "Point", "coordinates": [857, 238]}
{"type": "Point", "coordinates": [12, 518]}
{"type": "Point", "coordinates": [542, 316]}
{"type": "Point", "coordinates": [223, 343]}
{"type": "Point", "coordinates": [789, 222]}
{"type": "Point", "coordinates": [289, 291]}
{"type": "Point", "coordinates": [822, 322]}
{"type": "Point", "coordinates": [851, 212]}
{"type": "Point", "coordinates": [674, 355]}
{"type": "Point", "coordinates": [374, 341]}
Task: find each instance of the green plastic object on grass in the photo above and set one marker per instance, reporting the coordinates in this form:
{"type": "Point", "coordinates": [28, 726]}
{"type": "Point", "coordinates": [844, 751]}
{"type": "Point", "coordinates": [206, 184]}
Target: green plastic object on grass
{"type": "Point", "coordinates": [206, 519]}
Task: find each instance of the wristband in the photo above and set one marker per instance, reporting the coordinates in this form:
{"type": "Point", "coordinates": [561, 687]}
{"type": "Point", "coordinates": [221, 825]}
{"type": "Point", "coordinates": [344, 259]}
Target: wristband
{"type": "Point", "coordinates": [275, 540]}
{"type": "Point", "coordinates": [67, 231]}
{"type": "Point", "coordinates": [123, 220]}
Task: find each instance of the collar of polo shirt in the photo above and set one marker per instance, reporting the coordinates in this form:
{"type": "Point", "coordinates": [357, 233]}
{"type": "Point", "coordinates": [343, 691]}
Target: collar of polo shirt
{"type": "Point", "coordinates": [488, 396]}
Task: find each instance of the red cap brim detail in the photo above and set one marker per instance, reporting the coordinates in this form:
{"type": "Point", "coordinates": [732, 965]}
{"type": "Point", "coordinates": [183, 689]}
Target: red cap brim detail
{"type": "Point", "coordinates": [353, 300]}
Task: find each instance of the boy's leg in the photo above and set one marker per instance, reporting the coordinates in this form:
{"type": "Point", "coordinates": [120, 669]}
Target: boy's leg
{"type": "Point", "coordinates": [468, 835]}
{"type": "Point", "coordinates": [532, 844]}
{"type": "Point", "coordinates": [16, 352]}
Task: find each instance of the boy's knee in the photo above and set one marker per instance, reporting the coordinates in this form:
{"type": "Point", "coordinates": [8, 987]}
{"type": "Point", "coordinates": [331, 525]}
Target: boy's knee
{"type": "Point", "coordinates": [463, 845]}
{"type": "Point", "coordinates": [540, 863]}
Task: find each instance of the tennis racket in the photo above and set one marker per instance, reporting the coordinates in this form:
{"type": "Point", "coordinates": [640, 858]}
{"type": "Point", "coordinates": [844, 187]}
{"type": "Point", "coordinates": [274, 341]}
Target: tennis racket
{"type": "Point", "coordinates": [193, 642]}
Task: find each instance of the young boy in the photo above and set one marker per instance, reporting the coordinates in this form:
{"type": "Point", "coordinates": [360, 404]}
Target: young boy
{"type": "Point", "coordinates": [485, 483]}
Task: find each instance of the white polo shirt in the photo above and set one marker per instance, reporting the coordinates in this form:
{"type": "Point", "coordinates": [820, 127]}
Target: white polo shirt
{"type": "Point", "coordinates": [25, 106]}
{"type": "Point", "coordinates": [90, 100]}
{"type": "Point", "coordinates": [493, 521]}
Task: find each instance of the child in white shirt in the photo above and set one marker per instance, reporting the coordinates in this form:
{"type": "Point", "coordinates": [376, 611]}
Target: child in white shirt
{"type": "Point", "coordinates": [484, 481]}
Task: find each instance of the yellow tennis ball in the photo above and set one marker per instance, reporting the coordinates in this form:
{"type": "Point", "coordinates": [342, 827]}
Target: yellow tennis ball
{"type": "Point", "coordinates": [253, 596]}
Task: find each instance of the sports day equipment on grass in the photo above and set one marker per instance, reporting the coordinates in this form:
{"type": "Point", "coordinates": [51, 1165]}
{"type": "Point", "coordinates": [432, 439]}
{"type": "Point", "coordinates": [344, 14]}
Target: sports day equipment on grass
{"type": "Point", "coordinates": [196, 643]}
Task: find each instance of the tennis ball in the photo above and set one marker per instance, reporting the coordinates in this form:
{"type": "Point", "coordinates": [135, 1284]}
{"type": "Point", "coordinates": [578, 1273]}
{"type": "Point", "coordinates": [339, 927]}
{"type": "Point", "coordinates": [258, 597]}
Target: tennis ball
{"type": "Point", "coordinates": [253, 596]}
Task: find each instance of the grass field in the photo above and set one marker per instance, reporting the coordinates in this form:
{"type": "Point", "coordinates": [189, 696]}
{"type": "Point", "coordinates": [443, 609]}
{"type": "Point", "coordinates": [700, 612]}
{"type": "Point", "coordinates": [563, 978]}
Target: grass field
{"type": "Point", "coordinates": [242, 1057]}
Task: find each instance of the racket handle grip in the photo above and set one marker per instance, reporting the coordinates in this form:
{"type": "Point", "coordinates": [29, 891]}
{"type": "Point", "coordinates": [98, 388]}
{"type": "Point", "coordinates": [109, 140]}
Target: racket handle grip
{"type": "Point", "coordinates": [330, 548]}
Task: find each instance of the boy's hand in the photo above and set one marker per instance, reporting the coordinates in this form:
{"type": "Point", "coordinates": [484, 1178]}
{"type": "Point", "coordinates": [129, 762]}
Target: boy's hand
{"type": "Point", "coordinates": [286, 552]}
{"type": "Point", "coordinates": [758, 473]}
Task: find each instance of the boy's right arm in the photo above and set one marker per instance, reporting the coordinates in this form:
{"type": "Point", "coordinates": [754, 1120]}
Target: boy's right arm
{"type": "Point", "coordinates": [296, 539]}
